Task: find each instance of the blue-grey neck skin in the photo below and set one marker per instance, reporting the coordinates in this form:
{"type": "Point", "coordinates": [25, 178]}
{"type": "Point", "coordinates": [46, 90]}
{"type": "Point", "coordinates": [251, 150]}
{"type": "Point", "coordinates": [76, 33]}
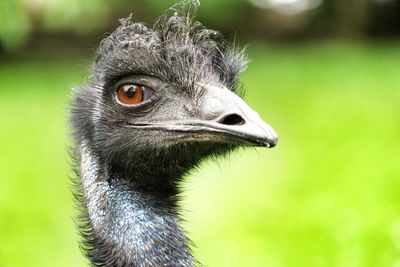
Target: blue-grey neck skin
{"type": "Point", "coordinates": [127, 226]}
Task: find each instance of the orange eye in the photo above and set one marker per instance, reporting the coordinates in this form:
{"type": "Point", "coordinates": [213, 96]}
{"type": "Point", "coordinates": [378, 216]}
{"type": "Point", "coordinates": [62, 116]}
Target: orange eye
{"type": "Point", "coordinates": [132, 94]}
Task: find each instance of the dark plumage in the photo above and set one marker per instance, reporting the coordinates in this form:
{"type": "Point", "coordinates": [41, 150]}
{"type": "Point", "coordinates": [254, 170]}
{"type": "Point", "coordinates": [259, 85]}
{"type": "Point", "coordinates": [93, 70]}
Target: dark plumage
{"type": "Point", "coordinates": [131, 158]}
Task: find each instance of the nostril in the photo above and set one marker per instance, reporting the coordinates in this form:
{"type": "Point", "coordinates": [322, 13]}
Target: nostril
{"type": "Point", "coordinates": [232, 119]}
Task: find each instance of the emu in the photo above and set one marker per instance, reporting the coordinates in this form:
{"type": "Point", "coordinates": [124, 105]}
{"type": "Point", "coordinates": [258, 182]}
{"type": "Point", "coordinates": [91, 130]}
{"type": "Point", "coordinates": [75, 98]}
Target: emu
{"type": "Point", "coordinates": [158, 102]}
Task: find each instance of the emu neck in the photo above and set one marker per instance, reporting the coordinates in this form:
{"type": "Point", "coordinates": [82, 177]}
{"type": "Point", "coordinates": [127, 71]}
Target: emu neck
{"type": "Point", "coordinates": [129, 226]}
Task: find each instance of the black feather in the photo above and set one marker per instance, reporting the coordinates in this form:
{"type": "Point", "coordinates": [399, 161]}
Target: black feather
{"type": "Point", "coordinates": [127, 184]}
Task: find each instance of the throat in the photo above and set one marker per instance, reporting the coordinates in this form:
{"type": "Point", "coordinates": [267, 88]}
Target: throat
{"type": "Point", "coordinates": [128, 225]}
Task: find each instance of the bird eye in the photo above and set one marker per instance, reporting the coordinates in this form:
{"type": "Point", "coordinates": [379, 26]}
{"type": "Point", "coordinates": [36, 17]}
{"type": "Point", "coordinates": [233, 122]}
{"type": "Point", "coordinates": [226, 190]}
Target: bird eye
{"type": "Point", "coordinates": [132, 94]}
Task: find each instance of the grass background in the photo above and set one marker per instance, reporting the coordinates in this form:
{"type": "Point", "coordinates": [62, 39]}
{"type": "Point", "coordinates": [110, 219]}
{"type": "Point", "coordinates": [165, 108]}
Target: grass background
{"type": "Point", "coordinates": [327, 195]}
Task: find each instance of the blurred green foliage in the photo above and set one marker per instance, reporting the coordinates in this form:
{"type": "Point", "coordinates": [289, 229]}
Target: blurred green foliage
{"type": "Point", "coordinates": [327, 195]}
{"type": "Point", "coordinates": [19, 18]}
{"type": "Point", "coordinates": [26, 21]}
{"type": "Point", "coordinates": [15, 26]}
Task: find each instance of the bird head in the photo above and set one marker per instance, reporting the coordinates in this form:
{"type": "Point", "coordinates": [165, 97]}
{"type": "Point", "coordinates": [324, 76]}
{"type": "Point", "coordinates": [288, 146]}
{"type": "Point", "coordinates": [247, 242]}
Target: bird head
{"type": "Point", "coordinates": [160, 99]}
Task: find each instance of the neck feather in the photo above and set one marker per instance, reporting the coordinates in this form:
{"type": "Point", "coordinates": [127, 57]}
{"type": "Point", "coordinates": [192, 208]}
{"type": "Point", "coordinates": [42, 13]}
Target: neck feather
{"type": "Point", "coordinates": [126, 225]}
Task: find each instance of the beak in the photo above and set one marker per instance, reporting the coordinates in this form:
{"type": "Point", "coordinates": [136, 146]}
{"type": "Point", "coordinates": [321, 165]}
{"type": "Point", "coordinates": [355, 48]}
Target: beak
{"type": "Point", "coordinates": [225, 118]}
{"type": "Point", "coordinates": [229, 117]}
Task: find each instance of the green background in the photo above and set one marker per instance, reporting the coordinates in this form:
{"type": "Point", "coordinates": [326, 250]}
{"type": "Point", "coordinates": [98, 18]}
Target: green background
{"type": "Point", "coordinates": [327, 195]}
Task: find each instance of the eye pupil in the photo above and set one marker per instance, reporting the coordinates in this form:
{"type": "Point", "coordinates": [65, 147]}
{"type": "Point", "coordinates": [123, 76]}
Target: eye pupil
{"type": "Point", "coordinates": [130, 91]}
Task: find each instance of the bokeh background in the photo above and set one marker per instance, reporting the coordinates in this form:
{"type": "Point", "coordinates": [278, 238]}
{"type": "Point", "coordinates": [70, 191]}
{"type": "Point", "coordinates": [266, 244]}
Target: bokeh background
{"type": "Point", "coordinates": [324, 73]}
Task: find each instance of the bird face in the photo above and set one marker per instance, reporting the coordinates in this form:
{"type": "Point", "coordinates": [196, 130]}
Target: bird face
{"type": "Point", "coordinates": [213, 114]}
{"type": "Point", "coordinates": [166, 93]}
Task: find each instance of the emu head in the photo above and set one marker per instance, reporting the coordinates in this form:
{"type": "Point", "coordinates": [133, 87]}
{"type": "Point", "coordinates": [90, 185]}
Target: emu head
{"type": "Point", "coordinates": [161, 99]}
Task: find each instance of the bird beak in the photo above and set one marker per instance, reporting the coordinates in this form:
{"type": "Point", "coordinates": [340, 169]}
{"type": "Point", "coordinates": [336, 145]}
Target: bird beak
{"type": "Point", "coordinates": [224, 118]}
{"type": "Point", "coordinates": [228, 117]}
